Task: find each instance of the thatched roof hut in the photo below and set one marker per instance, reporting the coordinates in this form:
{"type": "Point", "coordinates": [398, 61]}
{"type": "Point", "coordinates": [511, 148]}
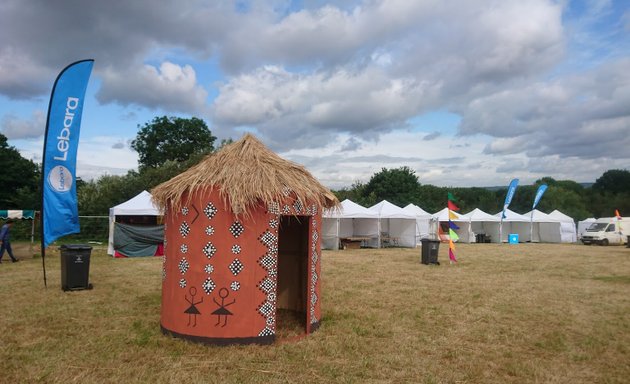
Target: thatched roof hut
{"type": "Point", "coordinates": [242, 246]}
{"type": "Point", "coordinates": [245, 173]}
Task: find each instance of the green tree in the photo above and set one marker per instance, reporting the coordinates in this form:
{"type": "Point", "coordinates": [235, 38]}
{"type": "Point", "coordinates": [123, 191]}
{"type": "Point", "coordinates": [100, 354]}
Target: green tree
{"type": "Point", "coordinates": [172, 138]}
{"type": "Point", "coordinates": [398, 186]}
{"type": "Point", "coordinates": [613, 181]}
{"type": "Point", "coordinates": [20, 178]}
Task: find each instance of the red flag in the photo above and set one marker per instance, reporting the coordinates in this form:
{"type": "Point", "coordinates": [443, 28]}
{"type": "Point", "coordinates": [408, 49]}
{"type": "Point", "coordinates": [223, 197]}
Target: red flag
{"type": "Point", "coordinates": [452, 206]}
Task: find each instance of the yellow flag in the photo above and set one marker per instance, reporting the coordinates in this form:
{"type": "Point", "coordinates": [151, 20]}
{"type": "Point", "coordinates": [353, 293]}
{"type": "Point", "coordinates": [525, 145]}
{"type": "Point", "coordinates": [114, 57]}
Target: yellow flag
{"type": "Point", "coordinates": [452, 215]}
{"type": "Point", "coordinates": [451, 245]}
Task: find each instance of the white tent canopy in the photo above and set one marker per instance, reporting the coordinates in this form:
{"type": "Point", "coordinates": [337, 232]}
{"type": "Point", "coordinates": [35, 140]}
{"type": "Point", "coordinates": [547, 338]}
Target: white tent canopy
{"type": "Point", "coordinates": [350, 220]}
{"type": "Point", "coordinates": [396, 224]}
{"type": "Point", "coordinates": [567, 230]}
{"type": "Point", "coordinates": [140, 205]}
{"type": "Point", "coordinates": [423, 221]}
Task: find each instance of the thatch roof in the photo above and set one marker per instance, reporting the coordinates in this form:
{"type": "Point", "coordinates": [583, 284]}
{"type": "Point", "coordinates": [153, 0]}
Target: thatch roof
{"type": "Point", "coordinates": [246, 174]}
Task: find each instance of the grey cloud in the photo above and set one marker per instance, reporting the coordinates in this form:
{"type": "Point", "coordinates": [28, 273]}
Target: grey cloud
{"type": "Point", "coordinates": [119, 145]}
{"type": "Point", "coordinates": [431, 136]}
{"type": "Point", "coordinates": [14, 127]}
{"type": "Point", "coordinates": [351, 144]}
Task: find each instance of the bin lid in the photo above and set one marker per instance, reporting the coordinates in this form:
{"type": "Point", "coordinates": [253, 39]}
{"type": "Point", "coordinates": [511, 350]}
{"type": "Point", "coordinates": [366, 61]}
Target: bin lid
{"type": "Point", "coordinates": [78, 247]}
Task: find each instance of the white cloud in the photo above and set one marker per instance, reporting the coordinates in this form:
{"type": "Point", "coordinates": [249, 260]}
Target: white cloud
{"type": "Point", "coordinates": [170, 87]}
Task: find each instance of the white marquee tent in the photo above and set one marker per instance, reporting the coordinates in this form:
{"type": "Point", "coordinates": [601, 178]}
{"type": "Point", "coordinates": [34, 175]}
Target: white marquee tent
{"type": "Point", "coordinates": [350, 220]}
{"type": "Point", "coordinates": [514, 223]}
{"type": "Point", "coordinates": [423, 222]}
{"type": "Point", "coordinates": [395, 224]}
{"type": "Point", "coordinates": [544, 228]}
{"type": "Point", "coordinates": [567, 230]}
{"type": "Point", "coordinates": [482, 223]}
{"type": "Point", "coordinates": [140, 205]}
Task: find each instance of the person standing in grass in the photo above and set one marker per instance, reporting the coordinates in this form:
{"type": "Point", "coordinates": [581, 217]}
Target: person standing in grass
{"type": "Point", "coordinates": [6, 242]}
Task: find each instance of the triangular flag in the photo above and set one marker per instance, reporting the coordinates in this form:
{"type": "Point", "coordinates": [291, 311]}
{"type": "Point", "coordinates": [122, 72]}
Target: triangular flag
{"type": "Point", "coordinates": [451, 255]}
{"type": "Point", "coordinates": [452, 225]}
{"type": "Point", "coordinates": [453, 235]}
{"type": "Point", "coordinates": [617, 215]}
{"type": "Point", "coordinates": [452, 215]}
{"type": "Point", "coordinates": [451, 197]}
{"type": "Point", "coordinates": [451, 245]}
{"type": "Point", "coordinates": [452, 206]}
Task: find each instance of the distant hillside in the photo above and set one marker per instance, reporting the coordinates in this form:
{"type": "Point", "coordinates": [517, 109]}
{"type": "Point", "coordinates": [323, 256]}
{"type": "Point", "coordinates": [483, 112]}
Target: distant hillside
{"type": "Point", "coordinates": [496, 188]}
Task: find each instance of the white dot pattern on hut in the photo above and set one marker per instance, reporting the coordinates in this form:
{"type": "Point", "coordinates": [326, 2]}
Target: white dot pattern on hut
{"type": "Point", "coordinates": [236, 267]}
{"type": "Point", "coordinates": [236, 229]}
{"type": "Point", "coordinates": [182, 283]}
{"type": "Point", "coordinates": [273, 208]}
{"type": "Point", "coordinates": [210, 210]}
{"type": "Point", "coordinates": [236, 249]}
{"type": "Point", "coordinates": [209, 230]}
{"type": "Point", "coordinates": [183, 265]}
{"type": "Point", "coordinates": [183, 248]}
{"type": "Point", "coordinates": [209, 250]}
{"type": "Point", "coordinates": [208, 286]}
{"type": "Point", "coordinates": [235, 286]}
{"type": "Point", "coordinates": [274, 223]}
{"type": "Point", "coordinates": [209, 268]}
{"type": "Point", "coordinates": [185, 211]}
{"type": "Point", "coordinates": [297, 206]}
{"type": "Point", "coordinates": [184, 229]}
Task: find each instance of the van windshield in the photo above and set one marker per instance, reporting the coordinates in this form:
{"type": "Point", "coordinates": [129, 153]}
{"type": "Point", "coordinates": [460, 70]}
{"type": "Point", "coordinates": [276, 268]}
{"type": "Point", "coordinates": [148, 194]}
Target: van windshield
{"type": "Point", "coordinates": [596, 227]}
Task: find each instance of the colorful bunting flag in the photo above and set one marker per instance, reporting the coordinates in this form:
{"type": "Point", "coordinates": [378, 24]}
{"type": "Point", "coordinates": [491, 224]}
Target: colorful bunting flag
{"type": "Point", "coordinates": [452, 206]}
{"type": "Point", "coordinates": [451, 227]}
{"type": "Point", "coordinates": [451, 253]}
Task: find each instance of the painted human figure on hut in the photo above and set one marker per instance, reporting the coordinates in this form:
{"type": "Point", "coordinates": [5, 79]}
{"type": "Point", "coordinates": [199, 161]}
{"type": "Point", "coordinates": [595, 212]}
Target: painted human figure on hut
{"type": "Point", "coordinates": [222, 310]}
{"type": "Point", "coordinates": [192, 311]}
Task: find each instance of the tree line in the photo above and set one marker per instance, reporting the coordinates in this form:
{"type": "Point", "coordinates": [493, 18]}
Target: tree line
{"type": "Point", "coordinates": [168, 146]}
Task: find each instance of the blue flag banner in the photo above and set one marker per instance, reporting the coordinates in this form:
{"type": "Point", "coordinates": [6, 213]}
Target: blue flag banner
{"type": "Point", "coordinates": [509, 196]}
{"type": "Point", "coordinates": [60, 214]}
{"type": "Point", "coordinates": [539, 194]}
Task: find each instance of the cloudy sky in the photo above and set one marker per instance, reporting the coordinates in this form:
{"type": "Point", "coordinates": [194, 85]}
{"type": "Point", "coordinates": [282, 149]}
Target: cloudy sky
{"type": "Point", "coordinates": [464, 92]}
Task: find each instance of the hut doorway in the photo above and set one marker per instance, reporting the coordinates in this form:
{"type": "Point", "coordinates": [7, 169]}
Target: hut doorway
{"type": "Point", "coordinates": [292, 289]}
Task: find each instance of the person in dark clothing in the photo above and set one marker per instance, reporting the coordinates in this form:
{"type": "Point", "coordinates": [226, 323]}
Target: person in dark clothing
{"type": "Point", "coordinates": [6, 241]}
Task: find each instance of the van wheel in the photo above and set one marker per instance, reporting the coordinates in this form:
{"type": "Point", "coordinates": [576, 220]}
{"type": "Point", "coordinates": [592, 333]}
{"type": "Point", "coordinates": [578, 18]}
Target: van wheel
{"type": "Point", "coordinates": [604, 242]}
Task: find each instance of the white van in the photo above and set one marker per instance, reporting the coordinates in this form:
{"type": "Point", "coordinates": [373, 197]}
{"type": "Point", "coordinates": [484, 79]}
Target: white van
{"type": "Point", "coordinates": [607, 230]}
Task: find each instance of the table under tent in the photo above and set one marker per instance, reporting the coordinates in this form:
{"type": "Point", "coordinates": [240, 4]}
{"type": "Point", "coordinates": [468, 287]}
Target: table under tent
{"type": "Point", "coordinates": [350, 226]}
{"type": "Point", "coordinates": [397, 227]}
{"type": "Point", "coordinates": [441, 218]}
{"type": "Point", "coordinates": [135, 228]}
{"type": "Point", "coordinates": [423, 222]}
{"type": "Point", "coordinates": [567, 227]}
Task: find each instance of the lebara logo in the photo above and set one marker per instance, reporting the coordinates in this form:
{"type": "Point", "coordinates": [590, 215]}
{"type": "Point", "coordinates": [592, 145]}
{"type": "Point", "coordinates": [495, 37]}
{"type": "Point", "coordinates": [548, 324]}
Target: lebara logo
{"type": "Point", "coordinates": [60, 178]}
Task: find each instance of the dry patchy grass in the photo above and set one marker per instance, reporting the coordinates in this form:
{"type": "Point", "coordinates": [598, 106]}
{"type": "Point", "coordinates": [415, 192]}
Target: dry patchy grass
{"type": "Point", "coordinates": [505, 314]}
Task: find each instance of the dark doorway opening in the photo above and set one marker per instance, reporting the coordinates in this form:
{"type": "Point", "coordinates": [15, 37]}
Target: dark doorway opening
{"type": "Point", "coordinates": [292, 289]}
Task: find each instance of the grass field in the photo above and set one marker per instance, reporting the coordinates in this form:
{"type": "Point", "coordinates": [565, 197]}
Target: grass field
{"type": "Point", "coordinates": [524, 313]}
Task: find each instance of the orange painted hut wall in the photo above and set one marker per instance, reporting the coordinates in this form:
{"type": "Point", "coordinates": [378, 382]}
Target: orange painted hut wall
{"type": "Point", "coordinates": [214, 258]}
